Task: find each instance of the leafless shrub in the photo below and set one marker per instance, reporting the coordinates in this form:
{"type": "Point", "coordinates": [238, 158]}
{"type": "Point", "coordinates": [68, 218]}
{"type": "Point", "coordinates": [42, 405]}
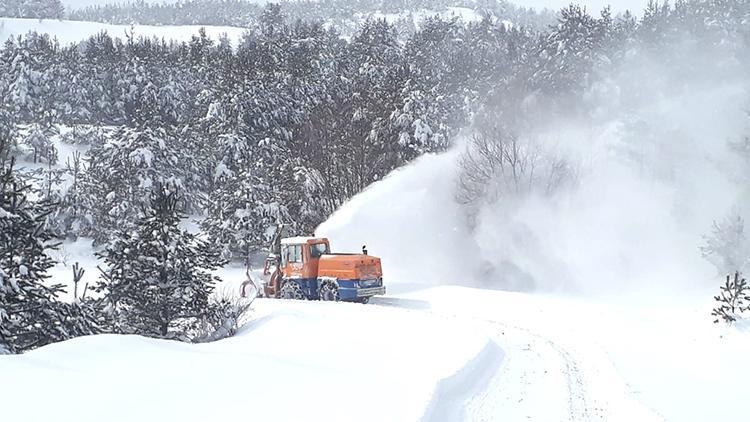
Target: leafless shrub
{"type": "Point", "coordinates": [498, 164]}
{"type": "Point", "coordinates": [727, 246]}
{"type": "Point", "coordinates": [228, 313]}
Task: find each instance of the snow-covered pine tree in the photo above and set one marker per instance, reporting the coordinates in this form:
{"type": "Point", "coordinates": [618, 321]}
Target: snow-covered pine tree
{"type": "Point", "coordinates": [436, 91]}
{"type": "Point", "coordinates": [37, 9]}
{"type": "Point", "coordinates": [733, 300]}
{"type": "Point", "coordinates": [7, 133]}
{"type": "Point", "coordinates": [121, 173]}
{"type": "Point", "coordinates": [240, 214]}
{"type": "Point", "coordinates": [379, 72]}
{"type": "Point", "coordinates": [8, 129]}
{"type": "Point", "coordinates": [568, 55]}
{"type": "Point", "coordinates": [252, 157]}
{"type": "Point", "coordinates": [29, 314]}
{"type": "Point", "coordinates": [77, 95]}
{"type": "Point", "coordinates": [33, 80]}
{"type": "Point", "coordinates": [157, 281]}
{"type": "Point", "coordinates": [68, 218]}
{"type": "Point", "coordinates": [39, 141]}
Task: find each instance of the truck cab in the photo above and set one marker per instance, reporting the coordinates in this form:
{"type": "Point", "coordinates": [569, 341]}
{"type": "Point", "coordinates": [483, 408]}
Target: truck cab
{"type": "Point", "coordinates": [306, 269]}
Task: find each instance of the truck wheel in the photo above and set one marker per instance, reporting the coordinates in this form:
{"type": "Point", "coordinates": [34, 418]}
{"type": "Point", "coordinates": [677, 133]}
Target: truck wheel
{"type": "Point", "coordinates": [291, 290]}
{"type": "Point", "coordinates": [364, 300]}
{"type": "Point", "coordinates": [329, 292]}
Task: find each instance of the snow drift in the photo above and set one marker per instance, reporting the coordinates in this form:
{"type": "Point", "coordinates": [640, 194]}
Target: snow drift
{"type": "Point", "coordinates": [294, 361]}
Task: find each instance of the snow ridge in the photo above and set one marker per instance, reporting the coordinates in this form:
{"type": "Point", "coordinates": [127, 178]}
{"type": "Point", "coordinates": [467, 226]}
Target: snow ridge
{"type": "Point", "coordinates": [452, 393]}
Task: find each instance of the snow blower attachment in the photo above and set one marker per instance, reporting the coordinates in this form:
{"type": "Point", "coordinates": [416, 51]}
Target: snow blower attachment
{"type": "Point", "coordinates": [305, 268]}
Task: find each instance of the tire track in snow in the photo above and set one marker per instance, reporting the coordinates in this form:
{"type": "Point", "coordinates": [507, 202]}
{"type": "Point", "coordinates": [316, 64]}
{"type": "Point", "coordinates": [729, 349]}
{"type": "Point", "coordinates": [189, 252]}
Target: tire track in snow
{"type": "Point", "coordinates": [541, 379]}
{"type": "Point", "coordinates": [485, 402]}
{"type": "Point", "coordinates": [543, 352]}
{"type": "Point", "coordinates": [594, 391]}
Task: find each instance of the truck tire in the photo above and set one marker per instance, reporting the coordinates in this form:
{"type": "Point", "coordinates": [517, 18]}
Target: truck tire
{"type": "Point", "coordinates": [328, 292]}
{"type": "Point", "coordinates": [291, 290]}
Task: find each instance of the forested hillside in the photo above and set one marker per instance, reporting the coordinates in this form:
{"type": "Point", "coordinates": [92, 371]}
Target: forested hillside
{"type": "Point", "coordinates": [296, 120]}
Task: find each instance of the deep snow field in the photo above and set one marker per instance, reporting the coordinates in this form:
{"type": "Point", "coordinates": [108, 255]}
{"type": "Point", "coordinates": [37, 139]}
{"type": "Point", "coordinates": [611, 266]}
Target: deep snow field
{"type": "Point", "coordinates": [294, 361]}
{"type": "Point", "coordinates": [68, 32]}
{"type": "Point", "coordinates": [435, 354]}
{"type": "Point", "coordinates": [430, 350]}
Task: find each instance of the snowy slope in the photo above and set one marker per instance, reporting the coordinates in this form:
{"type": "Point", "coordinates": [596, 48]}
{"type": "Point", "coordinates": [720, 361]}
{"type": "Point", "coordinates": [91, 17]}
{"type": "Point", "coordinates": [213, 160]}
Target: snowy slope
{"type": "Point", "coordinates": [73, 31]}
{"type": "Point", "coordinates": [294, 361]}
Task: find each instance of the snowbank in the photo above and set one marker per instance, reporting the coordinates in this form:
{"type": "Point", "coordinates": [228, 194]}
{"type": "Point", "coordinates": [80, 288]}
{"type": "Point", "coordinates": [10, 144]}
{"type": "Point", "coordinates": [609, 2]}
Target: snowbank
{"type": "Point", "coordinates": [295, 361]}
{"type": "Point", "coordinates": [68, 32]}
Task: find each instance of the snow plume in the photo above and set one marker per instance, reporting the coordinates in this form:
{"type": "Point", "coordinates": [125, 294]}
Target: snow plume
{"type": "Point", "coordinates": [411, 220]}
{"type": "Point", "coordinates": [655, 161]}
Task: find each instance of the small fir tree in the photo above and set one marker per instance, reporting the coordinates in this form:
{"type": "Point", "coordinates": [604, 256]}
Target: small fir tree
{"type": "Point", "coordinates": [157, 282]}
{"type": "Point", "coordinates": [733, 300]}
{"type": "Point", "coordinates": [30, 316]}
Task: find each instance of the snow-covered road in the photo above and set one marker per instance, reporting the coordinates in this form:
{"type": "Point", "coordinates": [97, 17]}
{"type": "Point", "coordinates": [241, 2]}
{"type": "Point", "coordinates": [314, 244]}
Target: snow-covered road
{"type": "Point", "coordinates": [430, 354]}
{"type": "Point", "coordinates": [549, 372]}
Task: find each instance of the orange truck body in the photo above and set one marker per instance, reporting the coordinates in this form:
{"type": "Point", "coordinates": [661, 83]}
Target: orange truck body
{"type": "Point", "coordinates": [308, 263]}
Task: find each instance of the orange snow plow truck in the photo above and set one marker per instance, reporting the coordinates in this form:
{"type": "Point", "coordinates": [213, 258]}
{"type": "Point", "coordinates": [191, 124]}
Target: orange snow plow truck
{"type": "Point", "coordinates": [305, 268]}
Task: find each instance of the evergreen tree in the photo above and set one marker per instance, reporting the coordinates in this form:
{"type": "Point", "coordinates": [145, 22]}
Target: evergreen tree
{"type": "Point", "coordinates": [733, 300]}
{"type": "Point", "coordinates": [37, 9]}
{"type": "Point", "coordinates": [570, 51]}
{"type": "Point", "coordinates": [7, 134]}
{"type": "Point", "coordinates": [68, 218]}
{"type": "Point", "coordinates": [379, 73]}
{"type": "Point", "coordinates": [437, 89]}
{"type": "Point", "coordinates": [29, 314]}
{"type": "Point", "coordinates": [121, 173]}
{"type": "Point", "coordinates": [241, 214]}
{"type": "Point", "coordinates": [39, 141]}
{"type": "Point", "coordinates": [156, 281]}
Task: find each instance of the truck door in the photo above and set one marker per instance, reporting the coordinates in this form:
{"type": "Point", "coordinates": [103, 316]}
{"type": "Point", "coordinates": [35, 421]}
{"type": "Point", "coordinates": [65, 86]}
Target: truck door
{"type": "Point", "coordinates": [292, 260]}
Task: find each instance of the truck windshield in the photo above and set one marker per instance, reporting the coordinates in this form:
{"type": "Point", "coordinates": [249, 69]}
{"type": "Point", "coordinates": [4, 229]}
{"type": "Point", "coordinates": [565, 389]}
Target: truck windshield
{"type": "Point", "coordinates": [318, 249]}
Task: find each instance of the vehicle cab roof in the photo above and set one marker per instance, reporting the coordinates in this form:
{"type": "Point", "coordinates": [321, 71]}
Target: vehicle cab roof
{"type": "Point", "coordinates": [299, 240]}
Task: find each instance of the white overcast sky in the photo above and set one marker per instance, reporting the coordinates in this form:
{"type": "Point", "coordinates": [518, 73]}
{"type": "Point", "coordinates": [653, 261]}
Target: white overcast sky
{"type": "Point", "coordinates": [594, 6]}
